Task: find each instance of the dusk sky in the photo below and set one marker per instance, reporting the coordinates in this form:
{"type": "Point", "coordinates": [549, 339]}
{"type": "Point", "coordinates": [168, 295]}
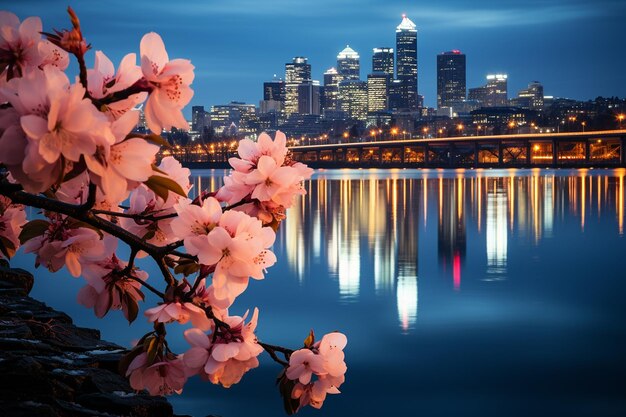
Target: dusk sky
{"type": "Point", "coordinates": [576, 48]}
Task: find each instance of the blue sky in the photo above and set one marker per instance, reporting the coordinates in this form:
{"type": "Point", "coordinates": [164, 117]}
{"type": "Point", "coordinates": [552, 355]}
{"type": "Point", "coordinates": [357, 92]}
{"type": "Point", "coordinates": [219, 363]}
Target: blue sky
{"type": "Point", "coordinates": [576, 48]}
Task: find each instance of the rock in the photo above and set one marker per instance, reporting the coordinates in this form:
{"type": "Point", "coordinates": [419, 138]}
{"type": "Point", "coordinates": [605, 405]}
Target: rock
{"type": "Point", "coordinates": [50, 367]}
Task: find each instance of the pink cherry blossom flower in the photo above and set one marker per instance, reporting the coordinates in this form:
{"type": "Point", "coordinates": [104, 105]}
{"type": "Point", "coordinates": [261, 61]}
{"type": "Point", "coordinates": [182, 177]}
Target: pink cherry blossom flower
{"type": "Point", "coordinates": [71, 126]}
{"type": "Point", "coordinates": [106, 289]}
{"type": "Point", "coordinates": [18, 44]}
{"type": "Point", "coordinates": [181, 312]}
{"type": "Point", "coordinates": [161, 378]}
{"type": "Point", "coordinates": [225, 357]}
{"type": "Point", "coordinates": [314, 393]}
{"type": "Point", "coordinates": [12, 218]}
{"type": "Point", "coordinates": [194, 222]}
{"type": "Point", "coordinates": [103, 81]}
{"type": "Point", "coordinates": [18, 153]}
{"type": "Point", "coordinates": [61, 246]}
{"type": "Point", "coordinates": [170, 79]}
{"type": "Point", "coordinates": [125, 164]}
{"type": "Point", "coordinates": [52, 54]}
{"type": "Point", "coordinates": [239, 249]}
{"type": "Point", "coordinates": [270, 179]}
{"type": "Point", "coordinates": [303, 364]}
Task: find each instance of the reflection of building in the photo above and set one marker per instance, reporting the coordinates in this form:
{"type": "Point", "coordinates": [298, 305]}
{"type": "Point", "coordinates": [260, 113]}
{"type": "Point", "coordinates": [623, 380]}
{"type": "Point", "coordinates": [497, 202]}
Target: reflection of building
{"type": "Point", "coordinates": [496, 233]}
{"type": "Point", "coordinates": [452, 236]}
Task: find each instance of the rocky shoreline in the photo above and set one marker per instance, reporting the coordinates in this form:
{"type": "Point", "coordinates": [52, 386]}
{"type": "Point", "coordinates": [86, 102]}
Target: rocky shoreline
{"type": "Point", "coordinates": [50, 367]}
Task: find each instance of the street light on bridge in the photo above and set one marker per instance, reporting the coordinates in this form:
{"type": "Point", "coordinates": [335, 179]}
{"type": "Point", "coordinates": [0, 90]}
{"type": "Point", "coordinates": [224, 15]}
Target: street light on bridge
{"type": "Point", "coordinates": [425, 130]}
{"type": "Point", "coordinates": [620, 117]}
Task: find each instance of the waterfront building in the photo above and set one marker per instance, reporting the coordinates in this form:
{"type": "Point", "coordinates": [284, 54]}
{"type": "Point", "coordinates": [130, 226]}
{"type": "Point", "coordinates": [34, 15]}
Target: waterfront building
{"type": "Point", "coordinates": [348, 64]}
{"type": "Point", "coordinates": [377, 91]}
{"type": "Point", "coordinates": [492, 94]}
{"type": "Point", "coordinates": [451, 72]}
{"type": "Point", "coordinates": [296, 72]}
{"type": "Point", "coordinates": [353, 98]}
{"type": "Point", "coordinates": [235, 119]}
{"type": "Point", "coordinates": [330, 97]}
{"type": "Point", "coordinates": [502, 120]}
{"type": "Point", "coordinates": [382, 61]}
{"type": "Point", "coordinates": [406, 63]}
{"type": "Point", "coordinates": [530, 98]}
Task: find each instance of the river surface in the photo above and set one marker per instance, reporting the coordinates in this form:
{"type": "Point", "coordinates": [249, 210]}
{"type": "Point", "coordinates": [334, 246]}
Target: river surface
{"type": "Point", "coordinates": [462, 293]}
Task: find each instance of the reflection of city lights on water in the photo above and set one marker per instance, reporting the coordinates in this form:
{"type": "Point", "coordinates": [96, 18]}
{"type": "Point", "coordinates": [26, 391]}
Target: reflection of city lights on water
{"type": "Point", "coordinates": [349, 273]}
{"type": "Point", "coordinates": [407, 300]}
{"type": "Point", "coordinates": [496, 233]}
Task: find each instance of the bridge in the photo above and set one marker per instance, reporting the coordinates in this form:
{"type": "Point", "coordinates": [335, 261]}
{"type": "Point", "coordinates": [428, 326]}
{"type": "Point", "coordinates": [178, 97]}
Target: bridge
{"type": "Point", "coordinates": [556, 150]}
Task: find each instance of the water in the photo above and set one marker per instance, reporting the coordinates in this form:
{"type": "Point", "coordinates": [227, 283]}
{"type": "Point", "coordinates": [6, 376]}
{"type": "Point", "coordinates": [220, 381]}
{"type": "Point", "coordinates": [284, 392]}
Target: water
{"type": "Point", "coordinates": [467, 293]}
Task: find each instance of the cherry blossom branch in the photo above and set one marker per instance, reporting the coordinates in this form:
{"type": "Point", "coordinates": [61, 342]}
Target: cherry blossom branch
{"type": "Point", "coordinates": [272, 349]}
{"type": "Point", "coordinates": [145, 284]}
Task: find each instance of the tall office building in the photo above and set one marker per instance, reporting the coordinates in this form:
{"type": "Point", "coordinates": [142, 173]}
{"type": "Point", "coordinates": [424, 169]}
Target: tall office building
{"type": "Point", "coordinates": [197, 118]}
{"type": "Point", "coordinates": [406, 62]}
{"type": "Point", "coordinates": [382, 61]}
{"type": "Point", "coordinates": [377, 91]}
{"type": "Point", "coordinates": [492, 94]}
{"type": "Point", "coordinates": [330, 101]}
{"type": "Point", "coordinates": [274, 90]}
{"type": "Point", "coordinates": [309, 97]}
{"type": "Point", "coordinates": [530, 98]}
{"type": "Point", "coordinates": [348, 64]}
{"type": "Point", "coordinates": [353, 98]}
{"type": "Point", "coordinates": [296, 72]}
{"type": "Point", "coordinates": [450, 78]}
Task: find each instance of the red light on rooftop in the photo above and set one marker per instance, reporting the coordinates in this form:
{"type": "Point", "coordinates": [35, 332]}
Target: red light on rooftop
{"type": "Point", "coordinates": [456, 51]}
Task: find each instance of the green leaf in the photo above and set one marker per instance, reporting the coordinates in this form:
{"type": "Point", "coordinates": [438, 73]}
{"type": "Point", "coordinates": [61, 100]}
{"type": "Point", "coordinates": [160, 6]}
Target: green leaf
{"type": "Point", "coordinates": [153, 349]}
{"type": "Point", "coordinates": [33, 229]}
{"type": "Point", "coordinates": [132, 307]}
{"type": "Point", "coordinates": [310, 339]}
{"type": "Point", "coordinates": [186, 267]}
{"type": "Point", "coordinates": [163, 185]}
{"type": "Point", "coordinates": [7, 247]}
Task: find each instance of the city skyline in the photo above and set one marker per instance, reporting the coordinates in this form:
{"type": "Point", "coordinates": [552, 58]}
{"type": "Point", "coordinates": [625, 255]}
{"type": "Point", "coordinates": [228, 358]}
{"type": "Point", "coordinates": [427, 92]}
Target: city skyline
{"type": "Point", "coordinates": [542, 41]}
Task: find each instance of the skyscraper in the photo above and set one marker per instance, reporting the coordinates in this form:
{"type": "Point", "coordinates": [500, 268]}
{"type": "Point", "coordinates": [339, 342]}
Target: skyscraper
{"type": "Point", "coordinates": [406, 62]}
{"type": "Point", "coordinates": [353, 98]}
{"type": "Point", "coordinates": [377, 91]}
{"type": "Point", "coordinates": [492, 94]}
{"type": "Point", "coordinates": [331, 90]}
{"type": "Point", "coordinates": [348, 64]}
{"type": "Point", "coordinates": [450, 78]}
{"type": "Point", "coordinates": [296, 72]}
{"type": "Point", "coordinates": [197, 118]}
{"type": "Point", "coordinates": [274, 90]}
{"type": "Point", "coordinates": [309, 97]}
{"type": "Point", "coordinates": [382, 61]}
